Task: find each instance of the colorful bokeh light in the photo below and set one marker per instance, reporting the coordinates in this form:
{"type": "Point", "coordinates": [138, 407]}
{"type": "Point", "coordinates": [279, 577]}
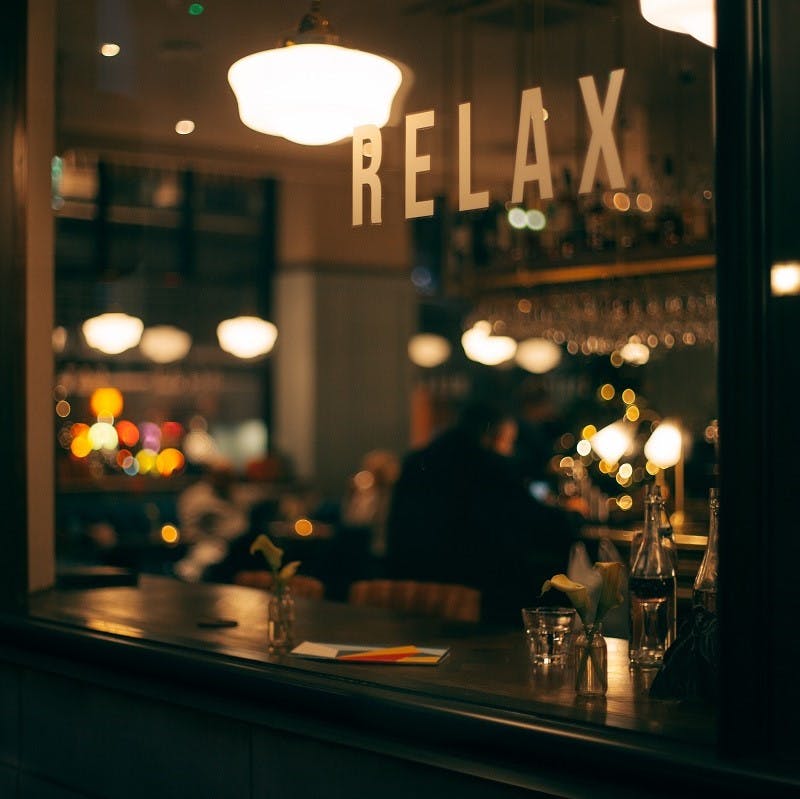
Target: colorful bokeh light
{"type": "Point", "coordinates": [106, 402]}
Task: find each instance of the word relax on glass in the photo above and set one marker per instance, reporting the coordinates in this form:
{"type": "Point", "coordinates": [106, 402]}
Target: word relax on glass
{"type": "Point", "coordinates": [368, 151]}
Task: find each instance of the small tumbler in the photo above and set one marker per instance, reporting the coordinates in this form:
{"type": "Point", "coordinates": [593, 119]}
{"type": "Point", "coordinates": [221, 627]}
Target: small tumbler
{"type": "Point", "coordinates": [549, 632]}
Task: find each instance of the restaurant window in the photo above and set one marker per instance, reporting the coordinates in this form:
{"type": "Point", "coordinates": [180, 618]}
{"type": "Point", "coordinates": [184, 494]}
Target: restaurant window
{"type": "Point", "coordinates": [544, 182]}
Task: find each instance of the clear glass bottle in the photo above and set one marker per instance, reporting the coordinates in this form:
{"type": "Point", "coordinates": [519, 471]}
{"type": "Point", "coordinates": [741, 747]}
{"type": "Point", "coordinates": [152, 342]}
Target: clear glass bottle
{"type": "Point", "coordinates": [664, 528]}
{"type": "Point", "coordinates": [705, 583]}
{"type": "Point", "coordinates": [280, 620]}
{"type": "Point", "coordinates": [652, 586]}
{"type": "Point", "coordinates": [590, 656]}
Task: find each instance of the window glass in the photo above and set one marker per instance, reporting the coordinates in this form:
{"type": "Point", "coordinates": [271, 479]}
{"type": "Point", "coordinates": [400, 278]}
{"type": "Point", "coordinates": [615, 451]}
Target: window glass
{"type": "Point", "coordinates": [528, 231]}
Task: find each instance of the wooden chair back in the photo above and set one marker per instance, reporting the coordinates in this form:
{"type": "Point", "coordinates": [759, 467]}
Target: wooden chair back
{"type": "Point", "coordinates": [302, 585]}
{"type": "Point", "coordinates": [443, 600]}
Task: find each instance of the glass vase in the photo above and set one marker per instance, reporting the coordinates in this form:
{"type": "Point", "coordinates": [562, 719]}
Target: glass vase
{"type": "Point", "coordinates": [590, 655]}
{"type": "Point", "coordinates": [280, 620]}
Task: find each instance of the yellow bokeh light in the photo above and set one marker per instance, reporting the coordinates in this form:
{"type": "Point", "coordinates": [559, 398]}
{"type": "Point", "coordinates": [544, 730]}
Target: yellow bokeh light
{"type": "Point", "coordinates": [616, 359]}
{"type": "Point", "coordinates": [303, 527]}
{"type": "Point", "coordinates": [607, 391]}
{"type": "Point", "coordinates": [629, 396]}
{"type": "Point", "coordinates": [106, 402]}
{"type": "Point", "coordinates": [170, 534]}
{"type": "Point", "coordinates": [584, 447]}
{"type": "Point", "coordinates": [624, 502]}
{"type": "Point", "coordinates": [604, 466]}
{"type": "Point", "coordinates": [625, 471]}
{"type": "Point", "coordinates": [146, 459]}
{"type": "Point", "coordinates": [169, 461]}
{"type": "Point", "coordinates": [566, 462]}
{"type": "Point", "coordinates": [623, 481]}
{"type": "Point", "coordinates": [588, 431]}
{"type": "Point", "coordinates": [81, 446]}
{"type": "Point", "coordinates": [651, 468]}
{"type": "Point", "coordinates": [632, 413]}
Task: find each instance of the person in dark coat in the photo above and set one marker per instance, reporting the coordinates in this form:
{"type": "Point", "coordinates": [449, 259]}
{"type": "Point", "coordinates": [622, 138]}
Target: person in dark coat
{"type": "Point", "coordinates": [461, 514]}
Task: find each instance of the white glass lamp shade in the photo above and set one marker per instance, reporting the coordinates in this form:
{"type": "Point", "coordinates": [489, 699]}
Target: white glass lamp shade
{"type": "Point", "coordinates": [695, 17]}
{"type": "Point", "coordinates": [635, 352]}
{"type": "Point", "coordinates": [246, 336]}
{"type": "Point", "coordinates": [482, 347]}
{"type": "Point", "coordinates": [428, 350]}
{"type": "Point", "coordinates": [612, 441]}
{"type": "Point", "coordinates": [664, 446]}
{"type": "Point", "coordinates": [313, 93]}
{"type": "Point", "coordinates": [112, 333]}
{"type": "Point", "coordinates": [165, 343]}
{"type": "Point", "coordinates": [538, 355]}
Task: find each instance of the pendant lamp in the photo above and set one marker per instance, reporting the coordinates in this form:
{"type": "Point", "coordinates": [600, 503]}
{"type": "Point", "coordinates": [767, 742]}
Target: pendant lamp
{"type": "Point", "coordinates": [481, 346]}
{"type": "Point", "coordinates": [165, 343]}
{"type": "Point", "coordinates": [538, 355]}
{"type": "Point", "coordinates": [695, 17]}
{"type": "Point", "coordinates": [428, 350]}
{"type": "Point", "coordinates": [112, 333]}
{"type": "Point", "coordinates": [246, 336]}
{"type": "Point", "coordinates": [310, 89]}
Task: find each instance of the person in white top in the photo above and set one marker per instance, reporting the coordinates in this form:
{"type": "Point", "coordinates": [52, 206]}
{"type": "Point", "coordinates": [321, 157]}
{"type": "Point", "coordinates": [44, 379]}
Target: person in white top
{"type": "Point", "coordinates": [209, 520]}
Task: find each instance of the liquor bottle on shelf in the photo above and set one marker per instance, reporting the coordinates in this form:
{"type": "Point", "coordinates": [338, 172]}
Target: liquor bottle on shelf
{"type": "Point", "coordinates": [652, 587]}
{"type": "Point", "coordinates": [705, 583]}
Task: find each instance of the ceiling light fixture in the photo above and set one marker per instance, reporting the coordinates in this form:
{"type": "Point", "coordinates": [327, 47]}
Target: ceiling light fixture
{"type": "Point", "coordinates": [480, 345]}
{"type": "Point", "coordinates": [538, 355]}
{"type": "Point", "coordinates": [165, 343]}
{"type": "Point", "coordinates": [311, 90]}
{"type": "Point", "coordinates": [428, 350]}
{"type": "Point", "coordinates": [695, 17]}
{"type": "Point", "coordinates": [112, 333]}
{"type": "Point", "coordinates": [246, 336]}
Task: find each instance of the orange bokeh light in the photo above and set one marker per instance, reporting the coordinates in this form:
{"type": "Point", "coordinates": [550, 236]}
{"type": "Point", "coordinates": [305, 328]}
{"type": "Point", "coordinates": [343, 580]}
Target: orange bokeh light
{"type": "Point", "coordinates": [169, 461]}
{"type": "Point", "coordinates": [128, 433]}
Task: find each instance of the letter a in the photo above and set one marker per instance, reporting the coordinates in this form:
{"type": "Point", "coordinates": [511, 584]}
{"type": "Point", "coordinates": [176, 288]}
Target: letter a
{"type": "Point", "coordinates": [602, 136]}
{"type": "Point", "coordinates": [531, 115]}
{"type": "Point", "coordinates": [367, 143]}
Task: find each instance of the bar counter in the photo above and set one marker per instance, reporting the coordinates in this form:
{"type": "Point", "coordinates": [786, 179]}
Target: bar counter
{"type": "Point", "coordinates": [483, 715]}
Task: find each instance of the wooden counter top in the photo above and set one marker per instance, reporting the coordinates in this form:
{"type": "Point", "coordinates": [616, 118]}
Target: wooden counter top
{"type": "Point", "coordinates": [485, 668]}
{"type": "Point", "coordinates": [484, 711]}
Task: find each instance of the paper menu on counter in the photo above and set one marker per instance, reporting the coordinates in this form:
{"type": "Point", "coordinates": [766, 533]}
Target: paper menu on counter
{"type": "Point", "coordinates": [403, 655]}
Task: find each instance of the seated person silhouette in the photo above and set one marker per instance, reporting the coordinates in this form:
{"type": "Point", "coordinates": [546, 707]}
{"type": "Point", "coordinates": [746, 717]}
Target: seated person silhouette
{"type": "Point", "coordinates": [460, 513]}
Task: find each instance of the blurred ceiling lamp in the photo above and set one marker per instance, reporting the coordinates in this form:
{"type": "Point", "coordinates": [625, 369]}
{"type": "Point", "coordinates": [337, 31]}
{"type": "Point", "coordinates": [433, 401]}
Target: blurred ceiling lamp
{"type": "Point", "coordinates": [165, 343]}
{"type": "Point", "coordinates": [785, 278]}
{"type": "Point", "coordinates": [538, 355]}
{"type": "Point", "coordinates": [246, 336]}
{"type": "Point", "coordinates": [428, 350]}
{"type": "Point", "coordinates": [695, 17]}
{"type": "Point", "coordinates": [113, 333]}
{"type": "Point", "coordinates": [635, 352]}
{"type": "Point", "coordinates": [613, 441]}
{"type": "Point", "coordinates": [479, 345]}
{"type": "Point", "coordinates": [310, 90]}
{"type": "Point", "coordinates": [665, 445]}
